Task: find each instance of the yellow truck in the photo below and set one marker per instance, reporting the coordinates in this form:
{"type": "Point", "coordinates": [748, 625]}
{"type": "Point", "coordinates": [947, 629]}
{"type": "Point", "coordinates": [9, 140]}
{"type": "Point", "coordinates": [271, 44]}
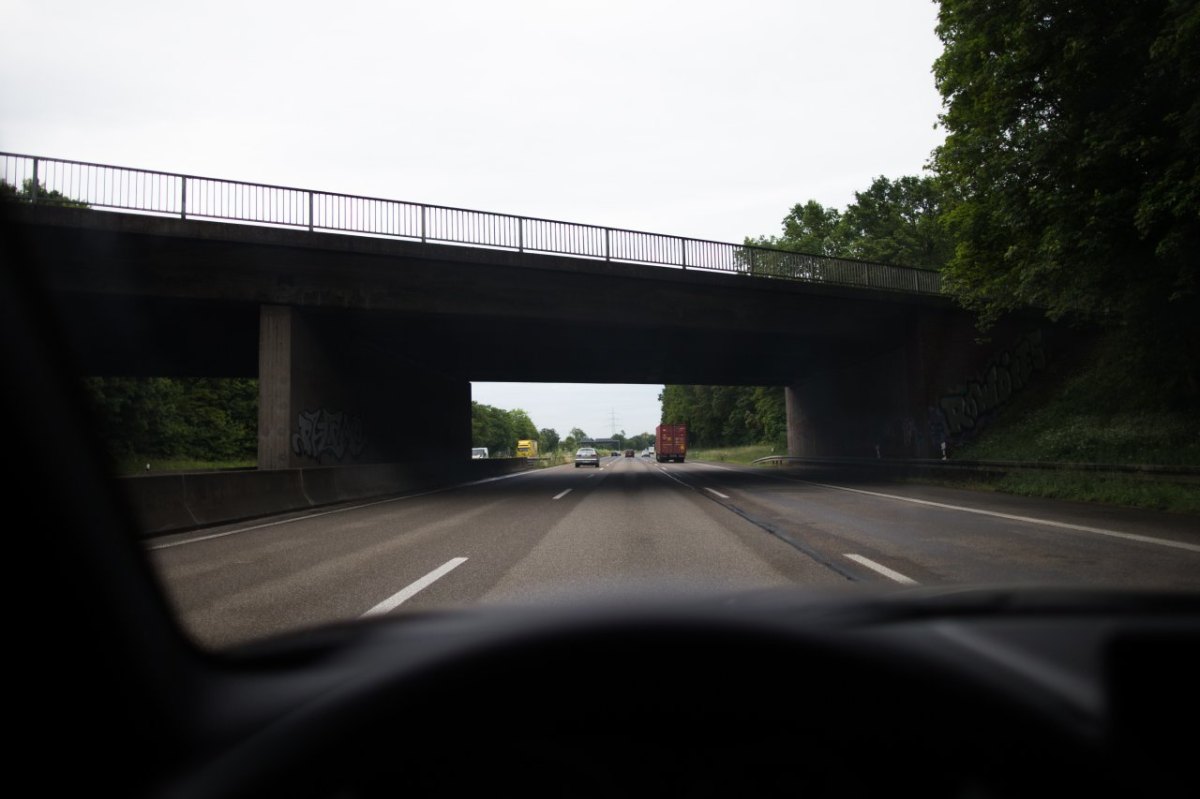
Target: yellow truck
{"type": "Point", "coordinates": [527, 448]}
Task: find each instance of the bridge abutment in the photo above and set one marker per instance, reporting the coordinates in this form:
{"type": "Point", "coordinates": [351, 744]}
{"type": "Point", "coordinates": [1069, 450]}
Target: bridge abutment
{"type": "Point", "coordinates": [329, 396]}
{"type": "Point", "coordinates": [940, 382]}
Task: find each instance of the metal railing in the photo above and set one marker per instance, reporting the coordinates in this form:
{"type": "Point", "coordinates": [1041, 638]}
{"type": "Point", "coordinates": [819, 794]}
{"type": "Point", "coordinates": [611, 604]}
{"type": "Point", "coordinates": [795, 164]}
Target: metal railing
{"type": "Point", "coordinates": [39, 180]}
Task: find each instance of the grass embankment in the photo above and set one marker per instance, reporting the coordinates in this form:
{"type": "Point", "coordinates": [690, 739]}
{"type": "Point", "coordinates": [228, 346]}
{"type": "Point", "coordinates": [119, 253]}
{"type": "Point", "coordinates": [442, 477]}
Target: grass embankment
{"type": "Point", "coordinates": [134, 465]}
{"type": "Point", "coordinates": [743, 454]}
{"type": "Point", "coordinates": [1097, 407]}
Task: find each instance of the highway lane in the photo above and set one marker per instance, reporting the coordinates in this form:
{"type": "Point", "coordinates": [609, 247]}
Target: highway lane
{"type": "Point", "coordinates": [634, 524]}
{"type": "Point", "coordinates": [530, 537]}
{"type": "Point", "coordinates": [937, 535]}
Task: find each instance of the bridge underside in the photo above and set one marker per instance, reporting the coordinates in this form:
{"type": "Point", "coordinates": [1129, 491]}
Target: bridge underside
{"type": "Point", "coordinates": [355, 341]}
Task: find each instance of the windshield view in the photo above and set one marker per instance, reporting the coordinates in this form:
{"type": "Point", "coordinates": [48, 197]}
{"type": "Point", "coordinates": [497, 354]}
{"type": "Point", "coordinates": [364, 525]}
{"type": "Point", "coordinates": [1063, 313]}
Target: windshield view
{"type": "Point", "coordinates": [604, 399]}
{"type": "Point", "coordinates": [352, 358]}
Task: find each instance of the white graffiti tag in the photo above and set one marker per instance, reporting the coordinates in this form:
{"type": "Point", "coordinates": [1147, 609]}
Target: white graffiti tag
{"type": "Point", "coordinates": [324, 432]}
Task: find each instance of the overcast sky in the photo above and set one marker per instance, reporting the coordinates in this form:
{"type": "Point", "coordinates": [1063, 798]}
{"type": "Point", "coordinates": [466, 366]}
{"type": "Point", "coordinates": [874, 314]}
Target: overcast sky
{"type": "Point", "coordinates": [696, 118]}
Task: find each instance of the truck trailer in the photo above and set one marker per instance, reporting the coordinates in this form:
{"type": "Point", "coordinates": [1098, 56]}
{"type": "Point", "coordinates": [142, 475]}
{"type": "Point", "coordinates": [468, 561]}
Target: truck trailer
{"type": "Point", "coordinates": [527, 448]}
{"type": "Point", "coordinates": [670, 442]}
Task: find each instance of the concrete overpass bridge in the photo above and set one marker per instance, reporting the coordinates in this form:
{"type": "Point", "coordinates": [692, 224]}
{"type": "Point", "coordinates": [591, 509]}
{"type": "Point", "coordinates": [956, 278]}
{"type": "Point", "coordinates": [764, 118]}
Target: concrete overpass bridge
{"type": "Point", "coordinates": [358, 315]}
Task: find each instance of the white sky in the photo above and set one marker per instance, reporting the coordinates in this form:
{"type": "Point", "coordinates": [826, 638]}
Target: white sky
{"type": "Point", "coordinates": [696, 118]}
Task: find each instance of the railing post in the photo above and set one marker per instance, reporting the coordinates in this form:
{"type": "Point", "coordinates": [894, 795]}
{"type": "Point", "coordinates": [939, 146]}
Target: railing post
{"type": "Point", "coordinates": [520, 234]}
{"type": "Point", "coordinates": [183, 197]}
{"type": "Point", "coordinates": [310, 211]}
{"type": "Point", "coordinates": [751, 251]}
{"type": "Point", "coordinates": [422, 224]}
{"type": "Point", "coordinates": [683, 252]}
{"type": "Point", "coordinates": [33, 191]}
{"type": "Point", "coordinates": [607, 244]}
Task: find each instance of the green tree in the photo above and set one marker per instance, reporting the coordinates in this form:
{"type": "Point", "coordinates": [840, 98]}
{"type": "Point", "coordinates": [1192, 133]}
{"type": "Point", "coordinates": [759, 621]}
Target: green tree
{"type": "Point", "coordinates": [161, 417]}
{"type": "Point", "coordinates": [26, 194]}
{"type": "Point", "coordinates": [1073, 159]}
{"type": "Point", "coordinates": [892, 221]}
{"type": "Point", "coordinates": [896, 222]}
{"type": "Point", "coordinates": [548, 439]}
{"type": "Point", "coordinates": [810, 228]}
{"type": "Point", "coordinates": [726, 415]}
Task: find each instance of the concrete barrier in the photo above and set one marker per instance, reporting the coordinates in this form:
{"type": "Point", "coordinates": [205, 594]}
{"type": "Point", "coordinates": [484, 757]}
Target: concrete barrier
{"type": "Point", "coordinates": [167, 503]}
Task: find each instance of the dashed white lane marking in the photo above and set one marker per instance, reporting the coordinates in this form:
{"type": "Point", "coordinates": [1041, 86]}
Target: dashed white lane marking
{"type": "Point", "coordinates": [563, 494]}
{"type": "Point", "coordinates": [408, 592]}
{"type": "Point", "coordinates": [1145, 539]}
{"type": "Point", "coordinates": [891, 574]}
{"type": "Point", "coordinates": [718, 493]}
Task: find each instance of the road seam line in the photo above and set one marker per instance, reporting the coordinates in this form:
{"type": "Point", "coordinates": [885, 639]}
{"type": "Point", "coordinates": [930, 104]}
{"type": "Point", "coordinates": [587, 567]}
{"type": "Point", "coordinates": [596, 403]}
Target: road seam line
{"type": "Point", "coordinates": [412, 589]}
{"type": "Point", "coordinates": [891, 574]}
{"type": "Point", "coordinates": [718, 493]}
{"type": "Point", "coordinates": [337, 510]}
{"type": "Point", "coordinates": [563, 494]}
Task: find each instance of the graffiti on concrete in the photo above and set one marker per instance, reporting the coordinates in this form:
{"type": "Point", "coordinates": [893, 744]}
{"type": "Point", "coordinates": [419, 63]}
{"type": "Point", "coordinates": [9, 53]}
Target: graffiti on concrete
{"type": "Point", "coordinates": [324, 432]}
{"type": "Point", "coordinates": [962, 409]}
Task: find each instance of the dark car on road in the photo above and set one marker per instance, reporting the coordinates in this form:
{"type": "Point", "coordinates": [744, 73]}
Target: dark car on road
{"type": "Point", "coordinates": [628, 453]}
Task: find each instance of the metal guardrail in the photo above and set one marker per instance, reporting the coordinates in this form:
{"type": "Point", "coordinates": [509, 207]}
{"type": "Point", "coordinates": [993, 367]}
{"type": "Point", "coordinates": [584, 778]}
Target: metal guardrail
{"type": "Point", "coordinates": [41, 180]}
{"type": "Point", "coordinates": [1150, 470]}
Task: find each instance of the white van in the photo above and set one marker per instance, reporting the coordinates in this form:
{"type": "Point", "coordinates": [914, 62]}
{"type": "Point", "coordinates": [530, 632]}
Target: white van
{"type": "Point", "coordinates": [479, 452]}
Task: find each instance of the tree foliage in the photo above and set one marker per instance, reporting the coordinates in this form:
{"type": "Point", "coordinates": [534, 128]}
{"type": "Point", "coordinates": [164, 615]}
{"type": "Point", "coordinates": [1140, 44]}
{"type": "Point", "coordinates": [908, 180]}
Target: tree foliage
{"type": "Point", "coordinates": [892, 221]}
{"type": "Point", "coordinates": [161, 417]}
{"type": "Point", "coordinates": [1073, 157]}
{"type": "Point", "coordinates": [727, 415]}
{"type": "Point", "coordinates": [499, 429]}
{"type": "Point", "coordinates": [26, 194]}
{"type": "Point", "coordinates": [548, 439]}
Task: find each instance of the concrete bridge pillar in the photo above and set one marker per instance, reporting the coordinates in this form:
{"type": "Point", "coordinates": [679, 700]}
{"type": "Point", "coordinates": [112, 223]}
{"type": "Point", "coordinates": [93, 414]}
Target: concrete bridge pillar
{"type": "Point", "coordinates": [328, 396]}
{"type": "Point", "coordinates": [865, 408]}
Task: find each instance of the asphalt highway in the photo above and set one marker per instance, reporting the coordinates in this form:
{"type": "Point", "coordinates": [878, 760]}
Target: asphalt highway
{"type": "Point", "coordinates": [565, 533]}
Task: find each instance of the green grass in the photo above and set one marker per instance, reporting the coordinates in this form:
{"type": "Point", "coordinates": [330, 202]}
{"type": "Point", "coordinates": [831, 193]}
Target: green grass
{"type": "Point", "coordinates": [1128, 491]}
{"type": "Point", "coordinates": [743, 454]}
{"type": "Point", "coordinates": [137, 465]}
{"type": "Point", "coordinates": [1096, 404]}
{"type": "Point", "coordinates": [1102, 409]}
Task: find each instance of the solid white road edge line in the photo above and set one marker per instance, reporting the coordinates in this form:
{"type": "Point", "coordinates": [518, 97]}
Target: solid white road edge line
{"type": "Point", "coordinates": [718, 493]}
{"type": "Point", "coordinates": [407, 593]}
{"type": "Point", "coordinates": [563, 494]}
{"type": "Point", "coordinates": [879, 567]}
{"type": "Point", "coordinates": [1145, 539]}
{"type": "Point", "coordinates": [198, 539]}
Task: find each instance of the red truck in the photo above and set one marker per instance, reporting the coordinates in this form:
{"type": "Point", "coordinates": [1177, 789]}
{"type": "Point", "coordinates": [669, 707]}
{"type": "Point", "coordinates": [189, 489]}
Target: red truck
{"type": "Point", "coordinates": [670, 442]}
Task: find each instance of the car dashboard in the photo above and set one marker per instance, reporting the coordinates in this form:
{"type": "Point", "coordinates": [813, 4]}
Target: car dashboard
{"type": "Point", "coordinates": [980, 694]}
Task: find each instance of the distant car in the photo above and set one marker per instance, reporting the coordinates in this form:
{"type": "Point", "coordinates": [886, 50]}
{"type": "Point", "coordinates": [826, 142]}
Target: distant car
{"type": "Point", "coordinates": [586, 456]}
{"type": "Point", "coordinates": [479, 452]}
{"type": "Point", "coordinates": [628, 453]}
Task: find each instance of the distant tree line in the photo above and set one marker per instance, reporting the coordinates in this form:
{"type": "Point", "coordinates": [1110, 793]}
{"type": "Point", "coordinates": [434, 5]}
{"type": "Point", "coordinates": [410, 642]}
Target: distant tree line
{"type": "Point", "coordinates": [163, 417]}
{"type": "Point", "coordinates": [499, 429]}
{"type": "Point", "coordinates": [25, 193]}
{"type": "Point", "coordinates": [719, 416]}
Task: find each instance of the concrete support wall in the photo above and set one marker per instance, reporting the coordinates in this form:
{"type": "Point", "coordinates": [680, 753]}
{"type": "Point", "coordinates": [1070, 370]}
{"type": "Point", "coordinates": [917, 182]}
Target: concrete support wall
{"type": "Point", "coordinates": [940, 382]}
{"type": "Point", "coordinates": [330, 396]}
{"type": "Point", "coordinates": [274, 387]}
